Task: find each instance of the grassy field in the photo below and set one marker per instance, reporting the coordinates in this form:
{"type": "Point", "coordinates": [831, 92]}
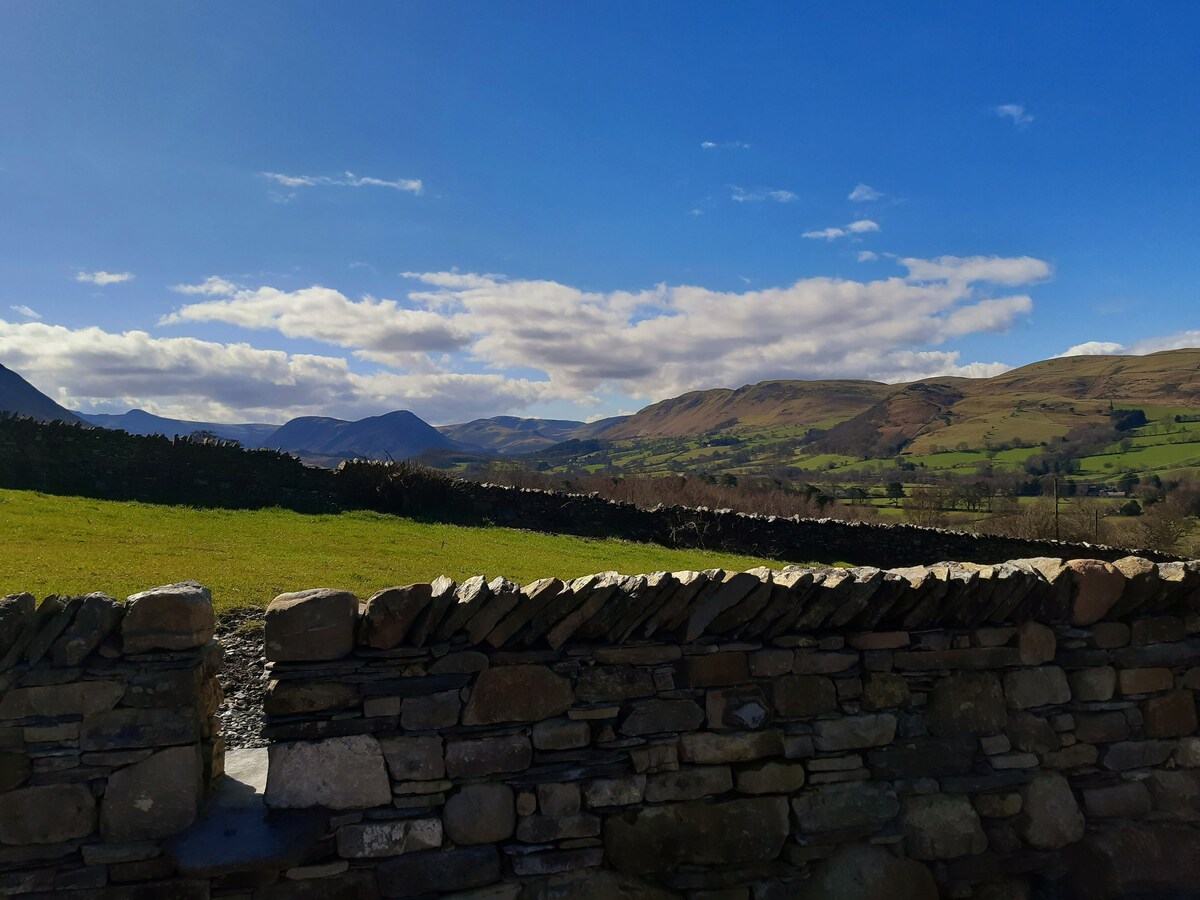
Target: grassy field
{"type": "Point", "coordinates": [71, 545]}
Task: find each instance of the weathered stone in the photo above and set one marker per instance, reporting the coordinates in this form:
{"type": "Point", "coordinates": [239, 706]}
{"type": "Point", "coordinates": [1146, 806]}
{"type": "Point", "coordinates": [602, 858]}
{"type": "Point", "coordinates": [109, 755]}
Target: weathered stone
{"type": "Point", "coordinates": [125, 728]}
{"type": "Point", "coordinates": [661, 838]}
{"type": "Point", "coordinates": [464, 662]}
{"type": "Point", "coordinates": [1109, 635]}
{"type": "Point", "coordinates": [170, 688]}
{"type": "Point", "coordinates": [593, 593]}
{"type": "Point", "coordinates": [1041, 686]}
{"type": "Point", "coordinates": [47, 814]}
{"type": "Point", "coordinates": [655, 758]}
{"type": "Point", "coordinates": [1096, 586]}
{"type": "Point", "coordinates": [1049, 817]}
{"type": "Point", "coordinates": [1036, 643]}
{"type": "Point", "coordinates": [600, 684]}
{"type": "Point", "coordinates": [1187, 752]}
{"type": "Point", "coordinates": [923, 758]}
{"type": "Point", "coordinates": [771, 662]}
{"type": "Point", "coordinates": [14, 769]}
{"type": "Point", "coordinates": [172, 617]}
{"type": "Point", "coordinates": [552, 862]}
{"type": "Point", "coordinates": [967, 703]}
{"type": "Point", "coordinates": [883, 690]}
{"type": "Point", "coordinates": [769, 777]}
{"type": "Point", "coordinates": [1144, 681]}
{"type": "Point", "coordinates": [337, 773]}
{"type": "Point", "coordinates": [802, 696]}
{"type": "Point", "coordinates": [605, 792]}
{"type": "Point", "coordinates": [1176, 794]}
{"type": "Point", "coordinates": [967, 658]}
{"type": "Point", "coordinates": [286, 698]}
{"type": "Point", "coordinates": [716, 599]}
{"type": "Point", "coordinates": [377, 839]}
{"type": "Point", "coordinates": [1136, 754]}
{"type": "Point", "coordinates": [416, 758]}
{"type": "Point", "coordinates": [1158, 630]}
{"type": "Point", "coordinates": [76, 698]}
{"type": "Point", "coordinates": [658, 716]}
{"type": "Point", "coordinates": [480, 814]}
{"type": "Point", "coordinates": [155, 798]}
{"type": "Point", "coordinates": [737, 708]}
{"type": "Point", "coordinates": [389, 614]}
{"type": "Point", "coordinates": [487, 756]}
{"type": "Point", "coordinates": [834, 807]}
{"type": "Point", "coordinates": [1129, 799]}
{"type": "Point", "coordinates": [561, 734]}
{"type": "Point", "coordinates": [1102, 727]}
{"type": "Point", "coordinates": [1125, 859]}
{"type": "Point", "coordinates": [310, 626]}
{"type": "Point", "coordinates": [816, 662]}
{"type": "Point", "coordinates": [1171, 715]}
{"type": "Point", "coordinates": [519, 693]}
{"type": "Point", "coordinates": [688, 784]}
{"type": "Point", "coordinates": [715, 669]}
{"type": "Point", "coordinates": [705, 748]}
{"type": "Point", "coordinates": [503, 597]}
{"type": "Point", "coordinates": [1093, 684]}
{"type": "Point", "coordinates": [545, 829]}
{"type": "Point", "coordinates": [96, 617]}
{"type": "Point", "coordinates": [854, 732]}
{"type": "Point", "coordinates": [941, 826]}
{"type": "Point", "coordinates": [16, 611]}
{"type": "Point", "coordinates": [864, 872]}
{"type": "Point", "coordinates": [997, 806]}
{"type": "Point", "coordinates": [1075, 756]}
{"type": "Point", "coordinates": [561, 798]}
{"type": "Point", "coordinates": [432, 711]}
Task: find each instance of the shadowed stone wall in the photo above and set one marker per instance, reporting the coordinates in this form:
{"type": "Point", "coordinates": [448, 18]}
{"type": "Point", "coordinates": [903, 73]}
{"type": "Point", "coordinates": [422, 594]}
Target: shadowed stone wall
{"type": "Point", "coordinates": [108, 738]}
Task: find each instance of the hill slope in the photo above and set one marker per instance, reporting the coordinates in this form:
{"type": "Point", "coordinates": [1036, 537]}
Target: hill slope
{"type": "Point", "coordinates": [138, 421]}
{"type": "Point", "coordinates": [394, 435]}
{"type": "Point", "coordinates": [19, 396]}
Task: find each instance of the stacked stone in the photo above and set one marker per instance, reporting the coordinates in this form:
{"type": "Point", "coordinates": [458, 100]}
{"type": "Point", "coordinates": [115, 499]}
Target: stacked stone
{"type": "Point", "coordinates": [800, 733]}
{"type": "Point", "coordinates": [108, 737]}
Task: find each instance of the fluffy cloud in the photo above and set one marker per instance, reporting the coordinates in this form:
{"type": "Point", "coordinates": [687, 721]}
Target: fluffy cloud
{"type": "Point", "coordinates": [190, 378]}
{"type": "Point", "coordinates": [867, 256]}
{"type": "Point", "coordinates": [863, 192]}
{"type": "Point", "coordinates": [741, 195]}
{"type": "Point", "coordinates": [378, 330]}
{"type": "Point", "coordinates": [212, 286]}
{"type": "Point", "coordinates": [103, 278]}
{"type": "Point", "coordinates": [348, 179]}
{"type": "Point", "coordinates": [859, 226]}
{"type": "Point", "coordinates": [1176, 341]}
{"type": "Point", "coordinates": [1015, 112]}
{"type": "Point", "coordinates": [965, 269]}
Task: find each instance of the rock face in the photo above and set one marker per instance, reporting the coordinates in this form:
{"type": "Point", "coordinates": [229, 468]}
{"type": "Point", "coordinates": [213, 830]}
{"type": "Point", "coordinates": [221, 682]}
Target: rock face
{"type": "Point", "coordinates": [967, 703]}
{"type": "Point", "coordinates": [173, 617]}
{"type": "Point", "coordinates": [155, 798]}
{"type": "Point", "coordinates": [517, 694]}
{"type": "Point", "coordinates": [48, 814]}
{"type": "Point", "coordinates": [480, 814]}
{"type": "Point", "coordinates": [941, 826]}
{"type": "Point", "coordinates": [337, 773]}
{"type": "Point", "coordinates": [1049, 817]}
{"type": "Point", "coordinates": [311, 626]}
{"type": "Point", "coordinates": [659, 838]}
{"type": "Point", "coordinates": [860, 872]}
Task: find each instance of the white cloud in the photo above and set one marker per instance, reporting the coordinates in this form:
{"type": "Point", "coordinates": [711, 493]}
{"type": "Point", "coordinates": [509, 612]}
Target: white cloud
{"type": "Point", "coordinates": [826, 234]}
{"type": "Point", "coordinates": [378, 330]}
{"type": "Point", "coordinates": [1015, 112]}
{"type": "Point", "coordinates": [727, 145]}
{"type": "Point", "coordinates": [22, 310]}
{"type": "Point", "coordinates": [863, 192]}
{"type": "Point", "coordinates": [103, 278]}
{"type": "Point", "coordinates": [212, 286]}
{"type": "Point", "coordinates": [1177, 341]}
{"type": "Point", "coordinates": [867, 256]}
{"type": "Point", "coordinates": [861, 226]}
{"type": "Point", "coordinates": [741, 195]}
{"type": "Point", "coordinates": [965, 269]}
{"type": "Point", "coordinates": [348, 179]}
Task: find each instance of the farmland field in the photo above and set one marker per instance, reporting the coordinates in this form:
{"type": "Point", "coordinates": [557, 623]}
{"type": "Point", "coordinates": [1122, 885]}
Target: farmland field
{"type": "Point", "coordinates": [65, 545]}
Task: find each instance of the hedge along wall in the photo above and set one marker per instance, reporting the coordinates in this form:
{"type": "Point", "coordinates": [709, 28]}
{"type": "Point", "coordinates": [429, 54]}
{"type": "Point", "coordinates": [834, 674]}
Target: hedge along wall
{"type": "Point", "coordinates": [108, 739]}
{"type": "Point", "coordinates": [956, 730]}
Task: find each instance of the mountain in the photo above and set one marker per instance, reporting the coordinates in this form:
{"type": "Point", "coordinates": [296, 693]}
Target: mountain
{"type": "Point", "coordinates": [511, 435]}
{"type": "Point", "coordinates": [394, 435]}
{"type": "Point", "coordinates": [19, 396]}
{"type": "Point", "coordinates": [138, 421]}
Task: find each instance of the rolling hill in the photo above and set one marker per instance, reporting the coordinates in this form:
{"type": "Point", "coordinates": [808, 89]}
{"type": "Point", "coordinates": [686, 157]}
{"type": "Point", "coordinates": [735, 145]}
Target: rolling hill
{"type": "Point", "coordinates": [138, 421]}
{"type": "Point", "coordinates": [394, 435]}
{"type": "Point", "coordinates": [19, 396]}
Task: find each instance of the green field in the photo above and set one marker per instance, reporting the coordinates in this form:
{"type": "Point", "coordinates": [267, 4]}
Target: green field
{"type": "Point", "coordinates": [71, 545]}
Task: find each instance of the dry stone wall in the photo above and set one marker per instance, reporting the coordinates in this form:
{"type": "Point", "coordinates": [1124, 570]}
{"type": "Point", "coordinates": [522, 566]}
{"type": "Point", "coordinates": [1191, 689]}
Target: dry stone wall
{"type": "Point", "coordinates": [954, 730]}
{"type": "Point", "coordinates": [108, 739]}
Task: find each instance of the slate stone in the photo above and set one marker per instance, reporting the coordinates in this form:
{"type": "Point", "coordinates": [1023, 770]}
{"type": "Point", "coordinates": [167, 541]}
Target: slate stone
{"type": "Point", "coordinates": [854, 732]}
{"type": "Point", "coordinates": [941, 826]}
{"type": "Point", "coordinates": [310, 626]}
{"type": "Point", "coordinates": [1049, 817]}
{"type": "Point", "coordinates": [884, 690]}
{"type": "Point", "coordinates": [1096, 587]}
{"type": "Point", "coordinates": [480, 814]}
{"type": "Point", "coordinates": [439, 710]}
{"type": "Point", "coordinates": [503, 597]}
{"type": "Point", "coordinates": [534, 599]}
{"type": "Point", "coordinates": [853, 805]}
{"type": "Point", "coordinates": [1126, 755]}
{"type": "Point", "coordinates": [155, 798]}
{"type": "Point", "coordinates": [1101, 727]}
{"type": "Point", "coordinates": [1129, 799]}
{"type": "Point", "coordinates": [488, 756]}
{"type": "Point", "coordinates": [286, 698]}
{"type": "Point", "coordinates": [769, 777]}
{"type": "Point", "coordinates": [1040, 686]}
{"type": "Point", "coordinates": [1134, 860]}
{"type": "Point", "coordinates": [1093, 684]}
{"type": "Point", "coordinates": [1036, 644]}
{"type": "Point", "coordinates": [605, 792]}
{"type": "Point", "coordinates": [600, 684]}
{"type": "Point", "coordinates": [716, 599]}
{"type": "Point", "coordinates": [517, 694]}
{"type": "Point", "coordinates": [47, 814]}
{"type": "Point", "coordinates": [45, 620]}
{"type": "Point", "coordinates": [97, 616]}
{"type": "Point", "coordinates": [415, 874]}
{"type": "Point", "coordinates": [372, 840]}
{"type": "Point", "coordinates": [1176, 794]}
{"type": "Point", "coordinates": [592, 596]}
{"type": "Point", "coordinates": [414, 758]}
{"type": "Point", "coordinates": [1171, 715]}
{"type": "Point", "coordinates": [561, 734]}
{"type": "Point", "coordinates": [547, 829]}
{"type": "Point", "coordinates": [170, 688]}
{"type": "Point", "coordinates": [355, 884]}
{"type": "Point", "coordinates": [967, 703]}
{"type": "Point", "coordinates": [864, 872]}
{"type": "Point", "coordinates": [76, 698]}
{"type": "Point", "coordinates": [706, 748]}
{"type": "Point", "coordinates": [923, 758]}
{"type": "Point", "coordinates": [737, 708]}
{"type": "Point", "coordinates": [660, 838]}
{"type": "Point", "coordinates": [658, 716]}
{"type": "Point", "coordinates": [16, 610]}
{"type": "Point", "coordinates": [1031, 734]}
{"type": "Point", "coordinates": [337, 773]}
{"type": "Point", "coordinates": [14, 769]}
{"type": "Point", "coordinates": [172, 617]}
{"type": "Point", "coordinates": [690, 783]}
{"type": "Point", "coordinates": [390, 614]}
{"type": "Point", "coordinates": [128, 728]}
{"type": "Point", "coordinates": [803, 696]}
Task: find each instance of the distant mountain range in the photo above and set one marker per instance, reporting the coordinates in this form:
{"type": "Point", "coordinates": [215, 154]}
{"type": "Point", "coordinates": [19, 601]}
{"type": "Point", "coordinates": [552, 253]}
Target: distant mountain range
{"type": "Point", "coordinates": [867, 419]}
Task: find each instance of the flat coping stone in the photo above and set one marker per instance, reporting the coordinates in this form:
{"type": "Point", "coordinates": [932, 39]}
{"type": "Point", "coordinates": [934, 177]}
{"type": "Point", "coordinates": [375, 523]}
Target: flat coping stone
{"type": "Point", "coordinates": [237, 833]}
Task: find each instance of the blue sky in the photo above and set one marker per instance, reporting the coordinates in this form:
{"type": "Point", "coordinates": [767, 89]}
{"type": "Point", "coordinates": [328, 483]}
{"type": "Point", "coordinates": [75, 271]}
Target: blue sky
{"type": "Point", "coordinates": [252, 211]}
